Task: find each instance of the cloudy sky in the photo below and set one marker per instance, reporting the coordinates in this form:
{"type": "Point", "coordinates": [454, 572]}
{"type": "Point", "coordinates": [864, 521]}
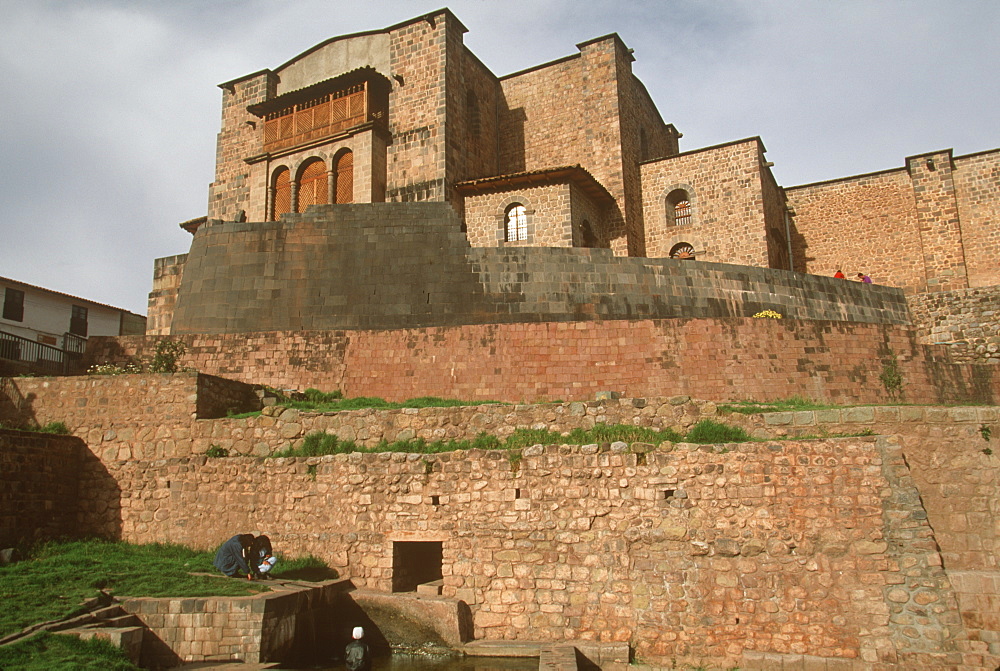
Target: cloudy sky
{"type": "Point", "coordinates": [110, 108]}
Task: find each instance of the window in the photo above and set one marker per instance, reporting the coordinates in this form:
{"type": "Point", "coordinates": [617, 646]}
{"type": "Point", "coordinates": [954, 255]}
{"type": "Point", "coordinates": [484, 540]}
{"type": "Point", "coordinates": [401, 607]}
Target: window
{"type": "Point", "coordinates": [78, 321]}
{"type": "Point", "coordinates": [682, 250]}
{"type": "Point", "coordinates": [344, 178]}
{"type": "Point", "coordinates": [678, 208]}
{"type": "Point", "coordinates": [312, 184]}
{"type": "Point", "coordinates": [282, 193]}
{"type": "Point", "coordinates": [682, 213]}
{"type": "Point", "coordinates": [516, 223]}
{"type": "Point", "coordinates": [13, 305]}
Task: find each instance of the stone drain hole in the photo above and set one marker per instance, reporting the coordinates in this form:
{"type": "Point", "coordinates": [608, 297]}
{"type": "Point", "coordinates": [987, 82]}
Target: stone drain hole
{"type": "Point", "coordinates": [435, 500]}
{"type": "Point", "coordinates": [667, 494]}
{"type": "Point", "coordinates": [415, 563]}
{"type": "Point", "coordinates": [517, 493]}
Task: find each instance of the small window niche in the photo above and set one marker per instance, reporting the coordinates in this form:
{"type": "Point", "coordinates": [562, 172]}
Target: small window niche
{"type": "Point", "coordinates": [415, 563]}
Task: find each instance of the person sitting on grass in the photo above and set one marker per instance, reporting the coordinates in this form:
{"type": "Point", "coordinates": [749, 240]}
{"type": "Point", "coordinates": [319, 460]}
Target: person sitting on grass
{"type": "Point", "coordinates": [230, 557]}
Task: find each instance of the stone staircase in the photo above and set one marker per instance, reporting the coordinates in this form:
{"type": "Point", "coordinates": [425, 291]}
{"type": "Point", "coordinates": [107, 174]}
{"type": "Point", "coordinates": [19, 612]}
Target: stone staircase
{"type": "Point", "coordinates": [97, 618]}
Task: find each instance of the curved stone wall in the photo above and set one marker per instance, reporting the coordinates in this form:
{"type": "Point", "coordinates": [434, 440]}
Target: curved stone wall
{"type": "Point", "coordinates": [405, 265]}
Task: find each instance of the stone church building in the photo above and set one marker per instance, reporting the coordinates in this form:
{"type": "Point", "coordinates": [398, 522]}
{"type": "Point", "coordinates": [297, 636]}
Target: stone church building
{"type": "Point", "coordinates": [567, 154]}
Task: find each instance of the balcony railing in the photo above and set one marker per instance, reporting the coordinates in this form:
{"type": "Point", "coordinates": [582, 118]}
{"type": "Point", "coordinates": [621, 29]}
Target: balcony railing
{"type": "Point", "coordinates": [39, 358]}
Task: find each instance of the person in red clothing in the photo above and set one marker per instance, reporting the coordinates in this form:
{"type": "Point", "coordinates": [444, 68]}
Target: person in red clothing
{"type": "Point", "coordinates": [840, 274]}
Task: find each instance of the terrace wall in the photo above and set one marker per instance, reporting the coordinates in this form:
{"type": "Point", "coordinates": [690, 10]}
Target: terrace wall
{"type": "Point", "coordinates": [38, 486]}
{"type": "Point", "coordinates": [718, 359]}
{"type": "Point", "coordinates": [674, 551]}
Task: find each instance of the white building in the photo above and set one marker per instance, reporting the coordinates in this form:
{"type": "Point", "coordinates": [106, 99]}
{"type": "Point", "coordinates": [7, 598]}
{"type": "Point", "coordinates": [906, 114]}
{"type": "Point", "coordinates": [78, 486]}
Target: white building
{"type": "Point", "coordinates": [37, 324]}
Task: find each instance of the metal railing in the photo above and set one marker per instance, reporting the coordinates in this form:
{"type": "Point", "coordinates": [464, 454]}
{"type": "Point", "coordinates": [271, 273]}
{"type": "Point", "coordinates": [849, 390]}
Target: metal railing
{"type": "Point", "coordinates": [38, 357]}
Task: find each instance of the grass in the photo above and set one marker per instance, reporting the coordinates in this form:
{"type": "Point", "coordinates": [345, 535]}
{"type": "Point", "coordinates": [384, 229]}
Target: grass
{"type": "Point", "coordinates": [318, 401]}
{"type": "Point", "coordinates": [792, 403]}
{"type": "Point", "coordinates": [52, 427]}
{"type": "Point", "coordinates": [58, 576]}
{"type": "Point", "coordinates": [50, 651]}
{"type": "Point", "coordinates": [705, 432]}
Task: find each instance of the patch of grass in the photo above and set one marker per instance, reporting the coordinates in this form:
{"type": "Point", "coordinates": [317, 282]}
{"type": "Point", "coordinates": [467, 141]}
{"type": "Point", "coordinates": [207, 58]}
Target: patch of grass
{"type": "Point", "coordinates": [307, 568]}
{"type": "Point", "coordinates": [317, 401]}
{"type": "Point", "coordinates": [57, 577]}
{"type": "Point", "coordinates": [792, 403]}
{"type": "Point", "coordinates": [50, 651]}
{"type": "Point", "coordinates": [708, 432]}
{"type": "Point", "coordinates": [58, 428]}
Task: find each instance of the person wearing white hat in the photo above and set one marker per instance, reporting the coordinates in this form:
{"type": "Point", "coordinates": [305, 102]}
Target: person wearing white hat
{"type": "Point", "coordinates": [357, 657]}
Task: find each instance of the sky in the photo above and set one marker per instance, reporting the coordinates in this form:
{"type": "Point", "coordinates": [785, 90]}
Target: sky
{"type": "Point", "coordinates": [110, 108]}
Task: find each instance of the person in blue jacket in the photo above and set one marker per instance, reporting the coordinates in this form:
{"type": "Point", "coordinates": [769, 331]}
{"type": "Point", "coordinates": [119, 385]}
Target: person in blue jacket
{"type": "Point", "coordinates": [231, 557]}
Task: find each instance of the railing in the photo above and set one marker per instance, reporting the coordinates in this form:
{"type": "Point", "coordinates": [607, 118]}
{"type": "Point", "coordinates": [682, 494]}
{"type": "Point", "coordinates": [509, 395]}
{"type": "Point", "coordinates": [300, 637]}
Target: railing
{"type": "Point", "coordinates": [74, 344]}
{"type": "Point", "coordinates": [324, 116]}
{"type": "Point", "coordinates": [39, 357]}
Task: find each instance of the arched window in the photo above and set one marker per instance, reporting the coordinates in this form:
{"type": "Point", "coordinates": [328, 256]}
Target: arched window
{"type": "Point", "coordinates": [678, 208]}
{"type": "Point", "coordinates": [682, 250]}
{"type": "Point", "coordinates": [515, 223]}
{"type": "Point", "coordinates": [282, 203]}
{"type": "Point", "coordinates": [344, 178]}
{"type": "Point", "coordinates": [312, 184]}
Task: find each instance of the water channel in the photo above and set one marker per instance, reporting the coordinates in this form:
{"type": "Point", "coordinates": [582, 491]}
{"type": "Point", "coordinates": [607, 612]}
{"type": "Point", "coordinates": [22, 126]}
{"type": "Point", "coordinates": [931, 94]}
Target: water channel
{"type": "Point", "coordinates": [446, 663]}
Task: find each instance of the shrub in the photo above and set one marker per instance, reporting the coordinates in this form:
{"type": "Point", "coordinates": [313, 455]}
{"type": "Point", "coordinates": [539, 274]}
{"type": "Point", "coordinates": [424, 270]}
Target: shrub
{"type": "Point", "coordinates": [767, 314]}
{"type": "Point", "coordinates": [215, 451]}
{"type": "Point", "coordinates": [168, 352]}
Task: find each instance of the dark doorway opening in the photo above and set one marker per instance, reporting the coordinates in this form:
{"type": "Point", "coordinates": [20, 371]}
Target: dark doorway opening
{"type": "Point", "coordinates": [415, 563]}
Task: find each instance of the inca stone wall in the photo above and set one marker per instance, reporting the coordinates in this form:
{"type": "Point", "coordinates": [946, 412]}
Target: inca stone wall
{"type": "Point", "coordinates": [38, 486]}
{"type": "Point", "coordinates": [718, 359]}
{"type": "Point", "coordinates": [677, 552]}
{"type": "Point", "coordinates": [968, 319]}
{"type": "Point", "coordinates": [168, 272]}
{"type": "Point", "coordinates": [399, 265]}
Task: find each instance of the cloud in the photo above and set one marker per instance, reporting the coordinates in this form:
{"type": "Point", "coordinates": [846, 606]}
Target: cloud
{"type": "Point", "coordinates": [111, 107]}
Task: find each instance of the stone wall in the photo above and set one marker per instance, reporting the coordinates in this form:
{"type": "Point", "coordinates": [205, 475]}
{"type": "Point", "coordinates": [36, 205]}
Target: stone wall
{"type": "Point", "coordinates": [278, 625]}
{"type": "Point", "coordinates": [119, 431]}
{"type": "Point", "coordinates": [416, 158]}
{"type": "Point", "coordinates": [39, 486]}
{"type": "Point", "coordinates": [969, 319]}
{"type": "Point", "coordinates": [168, 273]}
{"type": "Point", "coordinates": [925, 227]}
{"type": "Point", "coordinates": [676, 551]}
{"type": "Point", "coordinates": [401, 265]}
{"type": "Point", "coordinates": [566, 113]}
{"type": "Point", "coordinates": [548, 210]}
{"type": "Point", "coordinates": [977, 186]}
{"type": "Point", "coordinates": [721, 360]}
{"type": "Point", "coordinates": [124, 408]}
{"type": "Point", "coordinates": [726, 192]}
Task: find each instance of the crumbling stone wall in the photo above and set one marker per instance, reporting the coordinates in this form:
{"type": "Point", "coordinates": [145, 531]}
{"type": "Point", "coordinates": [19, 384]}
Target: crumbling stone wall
{"type": "Point", "coordinates": [675, 551]}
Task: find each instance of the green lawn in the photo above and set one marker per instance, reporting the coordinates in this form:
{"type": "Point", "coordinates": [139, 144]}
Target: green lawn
{"type": "Point", "coordinates": [57, 577]}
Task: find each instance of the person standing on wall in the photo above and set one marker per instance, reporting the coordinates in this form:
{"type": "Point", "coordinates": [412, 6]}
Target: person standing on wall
{"type": "Point", "coordinates": [357, 656]}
